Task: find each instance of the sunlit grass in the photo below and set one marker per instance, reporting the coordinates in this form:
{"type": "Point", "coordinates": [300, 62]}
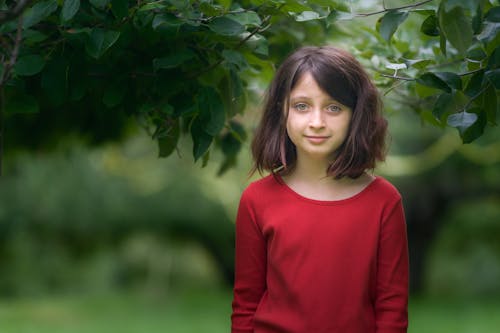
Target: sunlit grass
{"type": "Point", "coordinates": [203, 310]}
{"type": "Point", "coordinates": [179, 312]}
{"type": "Point", "coordinates": [454, 315]}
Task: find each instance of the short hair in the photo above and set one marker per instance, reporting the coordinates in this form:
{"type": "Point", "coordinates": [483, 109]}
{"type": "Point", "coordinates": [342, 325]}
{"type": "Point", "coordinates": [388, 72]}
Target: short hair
{"type": "Point", "coordinates": [340, 75]}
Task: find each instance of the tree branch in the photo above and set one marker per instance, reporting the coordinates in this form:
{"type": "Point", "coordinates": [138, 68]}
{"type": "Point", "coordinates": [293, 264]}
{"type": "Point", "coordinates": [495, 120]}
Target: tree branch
{"type": "Point", "coordinates": [395, 8]}
{"type": "Point", "coordinates": [398, 77]}
{"type": "Point", "coordinates": [260, 28]}
{"type": "Point", "coordinates": [473, 98]}
{"type": "Point", "coordinates": [15, 51]}
{"type": "Point", "coordinates": [471, 72]}
{"type": "Point", "coordinates": [11, 14]}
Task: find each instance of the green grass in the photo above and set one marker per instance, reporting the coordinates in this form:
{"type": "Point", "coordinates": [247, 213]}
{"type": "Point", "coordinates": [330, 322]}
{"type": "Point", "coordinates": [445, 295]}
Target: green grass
{"type": "Point", "coordinates": [182, 312]}
{"type": "Point", "coordinates": [207, 311]}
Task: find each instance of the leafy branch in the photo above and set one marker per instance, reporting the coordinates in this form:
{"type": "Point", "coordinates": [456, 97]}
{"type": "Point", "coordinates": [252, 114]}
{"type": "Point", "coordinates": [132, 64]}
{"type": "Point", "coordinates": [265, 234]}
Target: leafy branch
{"type": "Point", "coordinates": [385, 10]}
{"type": "Point", "coordinates": [12, 13]}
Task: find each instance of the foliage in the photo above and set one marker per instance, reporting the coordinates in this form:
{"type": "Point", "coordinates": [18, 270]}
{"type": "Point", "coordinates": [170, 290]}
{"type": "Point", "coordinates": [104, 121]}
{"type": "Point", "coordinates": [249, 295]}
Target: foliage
{"type": "Point", "coordinates": [66, 221]}
{"type": "Point", "coordinates": [186, 67]}
{"type": "Point", "coordinates": [465, 258]}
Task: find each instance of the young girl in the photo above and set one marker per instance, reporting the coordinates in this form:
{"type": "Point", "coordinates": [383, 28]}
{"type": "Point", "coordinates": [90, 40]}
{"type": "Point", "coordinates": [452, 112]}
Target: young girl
{"type": "Point", "coordinates": [320, 243]}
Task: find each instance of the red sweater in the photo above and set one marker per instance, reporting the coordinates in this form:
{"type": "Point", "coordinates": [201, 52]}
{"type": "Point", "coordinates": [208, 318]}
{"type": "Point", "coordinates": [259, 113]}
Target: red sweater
{"type": "Point", "coordinates": [310, 266]}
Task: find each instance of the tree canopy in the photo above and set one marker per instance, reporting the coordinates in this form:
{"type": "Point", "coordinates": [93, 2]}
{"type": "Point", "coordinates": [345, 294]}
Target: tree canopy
{"type": "Point", "coordinates": [188, 68]}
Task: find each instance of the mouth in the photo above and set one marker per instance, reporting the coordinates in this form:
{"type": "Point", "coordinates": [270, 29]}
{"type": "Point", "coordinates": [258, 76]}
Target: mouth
{"type": "Point", "coordinates": [316, 138]}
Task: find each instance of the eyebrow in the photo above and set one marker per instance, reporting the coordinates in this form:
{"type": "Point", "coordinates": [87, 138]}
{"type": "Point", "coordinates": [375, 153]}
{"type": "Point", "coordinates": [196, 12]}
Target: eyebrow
{"type": "Point", "coordinates": [302, 97]}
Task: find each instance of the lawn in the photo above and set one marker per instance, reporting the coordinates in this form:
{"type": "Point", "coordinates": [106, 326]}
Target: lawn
{"type": "Point", "coordinates": [207, 311]}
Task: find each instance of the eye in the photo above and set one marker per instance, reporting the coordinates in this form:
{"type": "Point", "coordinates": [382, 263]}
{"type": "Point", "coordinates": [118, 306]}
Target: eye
{"type": "Point", "coordinates": [334, 108]}
{"type": "Point", "coordinates": [300, 106]}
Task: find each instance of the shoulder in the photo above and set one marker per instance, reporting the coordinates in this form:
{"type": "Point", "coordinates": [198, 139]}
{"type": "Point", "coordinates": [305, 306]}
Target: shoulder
{"type": "Point", "coordinates": [385, 189]}
{"type": "Point", "coordinates": [263, 185]}
{"type": "Point", "coordinates": [261, 190]}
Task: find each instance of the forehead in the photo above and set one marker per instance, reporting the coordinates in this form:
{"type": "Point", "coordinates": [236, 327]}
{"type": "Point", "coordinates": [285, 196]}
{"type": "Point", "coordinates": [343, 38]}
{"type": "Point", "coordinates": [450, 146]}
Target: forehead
{"type": "Point", "coordinates": [307, 86]}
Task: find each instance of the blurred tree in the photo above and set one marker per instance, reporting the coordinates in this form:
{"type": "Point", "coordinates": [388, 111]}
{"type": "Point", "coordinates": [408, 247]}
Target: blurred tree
{"type": "Point", "coordinates": [184, 67]}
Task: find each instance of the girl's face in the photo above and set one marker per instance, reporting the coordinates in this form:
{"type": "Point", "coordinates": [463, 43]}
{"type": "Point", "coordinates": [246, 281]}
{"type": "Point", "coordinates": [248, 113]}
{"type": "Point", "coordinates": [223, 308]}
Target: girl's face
{"type": "Point", "coordinates": [317, 124]}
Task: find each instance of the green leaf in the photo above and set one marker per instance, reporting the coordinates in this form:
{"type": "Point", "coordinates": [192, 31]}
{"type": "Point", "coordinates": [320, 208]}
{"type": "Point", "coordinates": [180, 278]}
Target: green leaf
{"type": "Point", "coordinates": [119, 8]}
{"type": "Point", "coordinates": [432, 80]}
{"type": "Point", "coordinates": [210, 9]}
{"type": "Point", "coordinates": [232, 93]}
{"type": "Point", "coordinates": [230, 144]}
{"type": "Point", "coordinates": [475, 84]}
{"type": "Point", "coordinates": [423, 12]}
{"type": "Point", "coordinates": [442, 106]}
{"type": "Point", "coordinates": [475, 130]}
{"type": "Point", "coordinates": [490, 32]}
{"type": "Point", "coordinates": [258, 44]}
{"type": "Point", "coordinates": [225, 3]}
{"type": "Point", "coordinates": [99, 3]}
{"type": "Point", "coordinates": [462, 120]}
{"type": "Point", "coordinates": [418, 63]}
{"type": "Point", "coordinates": [490, 105]}
{"type": "Point", "coordinates": [477, 20]}
{"type": "Point", "coordinates": [494, 60]}
{"type": "Point", "coordinates": [470, 5]}
{"type": "Point", "coordinates": [247, 18]}
{"type": "Point", "coordinates": [201, 140]}
{"type": "Point", "coordinates": [477, 54]}
{"type": "Point", "coordinates": [152, 6]}
{"type": "Point", "coordinates": [174, 60]}
{"type": "Point", "coordinates": [99, 41]}
{"type": "Point", "coordinates": [452, 80]}
{"type": "Point", "coordinates": [493, 15]}
{"type": "Point", "coordinates": [494, 77]}
{"type": "Point", "coordinates": [307, 16]}
{"type": "Point", "coordinates": [168, 142]}
{"type": "Point", "coordinates": [69, 9]}
{"type": "Point", "coordinates": [166, 19]}
{"type": "Point", "coordinates": [337, 15]}
{"type": "Point", "coordinates": [390, 22]}
{"type": "Point", "coordinates": [425, 91]}
{"type": "Point", "coordinates": [442, 42]}
{"type": "Point", "coordinates": [31, 37]}
{"type": "Point", "coordinates": [226, 26]}
{"type": "Point", "coordinates": [212, 113]}
{"type": "Point", "coordinates": [430, 26]}
{"type": "Point", "coordinates": [40, 11]}
{"type": "Point", "coordinates": [29, 65]}
{"type": "Point", "coordinates": [235, 58]}
{"type": "Point", "coordinates": [448, 103]}
{"type": "Point", "coordinates": [427, 117]}
{"type": "Point", "coordinates": [457, 28]}
{"type": "Point", "coordinates": [293, 7]}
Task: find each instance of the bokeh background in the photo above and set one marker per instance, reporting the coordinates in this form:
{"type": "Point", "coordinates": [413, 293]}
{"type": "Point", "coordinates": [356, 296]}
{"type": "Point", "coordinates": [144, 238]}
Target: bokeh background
{"type": "Point", "coordinates": [110, 238]}
{"type": "Point", "coordinates": [114, 239]}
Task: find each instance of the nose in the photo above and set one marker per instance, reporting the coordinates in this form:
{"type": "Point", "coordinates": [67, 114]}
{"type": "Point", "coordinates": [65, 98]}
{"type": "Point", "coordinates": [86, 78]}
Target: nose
{"type": "Point", "coordinates": [316, 119]}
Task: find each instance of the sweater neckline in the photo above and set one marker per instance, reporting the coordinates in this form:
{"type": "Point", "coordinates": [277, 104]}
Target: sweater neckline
{"type": "Point", "coordinates": [301, 197]}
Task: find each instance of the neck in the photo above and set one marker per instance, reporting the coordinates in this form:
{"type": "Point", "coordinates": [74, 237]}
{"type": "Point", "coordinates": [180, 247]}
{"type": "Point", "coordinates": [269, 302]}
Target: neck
{"type": "Point", "coordinates": [311, 171]}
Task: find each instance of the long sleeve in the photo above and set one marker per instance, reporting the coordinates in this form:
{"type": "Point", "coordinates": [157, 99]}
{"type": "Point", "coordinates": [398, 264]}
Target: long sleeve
{"type": "Point", "coordinates": [250, 268]}
{"type": "Point", "coordinates": [391, 301]}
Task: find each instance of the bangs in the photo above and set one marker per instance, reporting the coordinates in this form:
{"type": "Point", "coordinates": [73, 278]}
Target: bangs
{"type": "Point", "coordinates": [330, 77]}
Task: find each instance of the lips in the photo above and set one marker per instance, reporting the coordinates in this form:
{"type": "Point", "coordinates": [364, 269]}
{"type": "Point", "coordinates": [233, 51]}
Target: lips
{"type": "Point", "coordinates": [316, 138]}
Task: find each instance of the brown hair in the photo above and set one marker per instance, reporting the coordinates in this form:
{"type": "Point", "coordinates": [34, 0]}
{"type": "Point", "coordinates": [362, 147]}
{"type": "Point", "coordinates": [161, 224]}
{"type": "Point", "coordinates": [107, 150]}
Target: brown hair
{"type": "Point", "coordinates": [340, 75]}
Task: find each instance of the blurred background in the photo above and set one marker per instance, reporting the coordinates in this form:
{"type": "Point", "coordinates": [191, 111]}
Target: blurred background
{"type": "Point", "coordinates": [104, 236]}
{"type": "Point", "coordinates": [114, 239]}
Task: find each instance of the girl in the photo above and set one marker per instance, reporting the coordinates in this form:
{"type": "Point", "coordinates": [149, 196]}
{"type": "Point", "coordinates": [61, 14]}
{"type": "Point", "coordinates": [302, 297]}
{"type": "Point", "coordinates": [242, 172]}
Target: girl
{"type": "Point", "coordinates": [320, 243]}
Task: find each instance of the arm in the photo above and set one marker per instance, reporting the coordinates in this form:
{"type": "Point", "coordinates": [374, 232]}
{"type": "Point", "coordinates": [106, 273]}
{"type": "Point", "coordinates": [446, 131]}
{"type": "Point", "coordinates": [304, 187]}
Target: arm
{"type": "Point", "coordinates": [250, 268]}
{"type": "Point", "coordinates": [391, 303]}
